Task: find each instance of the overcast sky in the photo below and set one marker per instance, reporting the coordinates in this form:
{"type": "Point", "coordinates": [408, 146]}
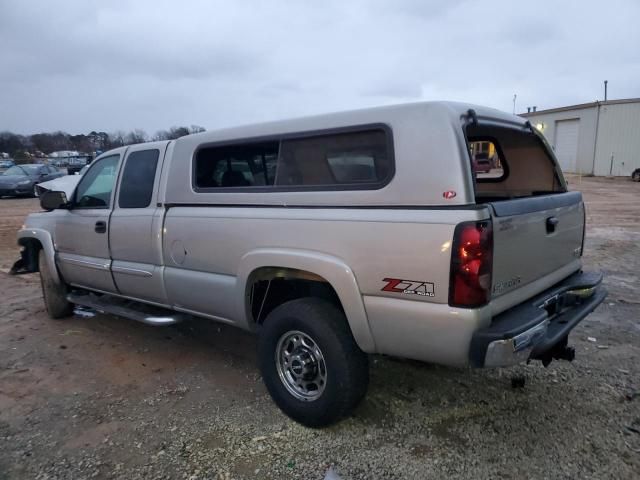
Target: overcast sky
{"type": "Point", "coordinates": [86, 65]}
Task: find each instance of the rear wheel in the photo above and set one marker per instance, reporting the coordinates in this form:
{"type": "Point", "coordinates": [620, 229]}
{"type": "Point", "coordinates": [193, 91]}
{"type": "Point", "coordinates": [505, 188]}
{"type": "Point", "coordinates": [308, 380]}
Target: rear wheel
{"type": "Point", "coordinates": [310, 362]}
{"type": "Point", "coordinates": [54, 293]}
{"type": "Point", "coordinates": [635, 176]}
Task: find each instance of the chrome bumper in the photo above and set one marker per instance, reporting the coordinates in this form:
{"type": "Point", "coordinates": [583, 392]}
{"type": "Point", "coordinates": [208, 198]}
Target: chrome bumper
{"type": "Point", "coordinates": [511, 351]}
{"type": "Point", "coordinates": [538, 328]}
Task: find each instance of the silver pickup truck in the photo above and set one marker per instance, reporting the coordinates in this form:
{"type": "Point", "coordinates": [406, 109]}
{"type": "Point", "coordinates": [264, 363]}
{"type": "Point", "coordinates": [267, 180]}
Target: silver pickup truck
{"type": "Point", "coordinates": [440, 232]}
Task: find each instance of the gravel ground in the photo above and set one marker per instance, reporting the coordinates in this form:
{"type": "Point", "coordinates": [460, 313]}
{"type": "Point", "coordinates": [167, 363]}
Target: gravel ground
{"type": "Point", "coordinates": [103, 397]}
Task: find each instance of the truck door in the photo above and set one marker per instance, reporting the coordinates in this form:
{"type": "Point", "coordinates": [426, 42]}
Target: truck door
{"type": "Point", "coordinates": [82, 232]}
{"type": "Point", "coordinates": [136, 226]}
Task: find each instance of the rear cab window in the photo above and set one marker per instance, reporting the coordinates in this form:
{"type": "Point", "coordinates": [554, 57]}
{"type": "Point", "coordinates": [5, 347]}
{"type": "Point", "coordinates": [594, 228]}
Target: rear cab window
{"type": "Point", "coordinates": [242, 165]}
{"type": "Point", "coordinates": [487, 161]}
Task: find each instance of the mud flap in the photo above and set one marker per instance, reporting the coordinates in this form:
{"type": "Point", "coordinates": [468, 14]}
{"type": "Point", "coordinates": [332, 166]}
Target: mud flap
{"type": "Point", "coordinates": [24, 264]}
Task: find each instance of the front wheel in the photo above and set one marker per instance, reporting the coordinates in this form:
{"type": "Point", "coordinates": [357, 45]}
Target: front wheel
{"type": "Point", "coordinates": [310, 362]}
{"type": "Point", "coordinates": [54, 293]}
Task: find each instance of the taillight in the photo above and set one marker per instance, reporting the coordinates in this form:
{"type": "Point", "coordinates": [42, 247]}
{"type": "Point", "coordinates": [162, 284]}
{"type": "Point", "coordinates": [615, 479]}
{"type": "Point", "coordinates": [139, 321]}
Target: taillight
{"type": "Point", "coordinates": [471, 264]}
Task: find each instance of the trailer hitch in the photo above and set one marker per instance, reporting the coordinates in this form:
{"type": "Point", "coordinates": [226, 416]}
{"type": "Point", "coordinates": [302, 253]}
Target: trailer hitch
{"type": "Point", "coordinates": [560, 351]}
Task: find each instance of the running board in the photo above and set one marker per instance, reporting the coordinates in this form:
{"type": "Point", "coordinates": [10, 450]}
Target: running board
{"type": "Point", "coordinates": [127, 308]}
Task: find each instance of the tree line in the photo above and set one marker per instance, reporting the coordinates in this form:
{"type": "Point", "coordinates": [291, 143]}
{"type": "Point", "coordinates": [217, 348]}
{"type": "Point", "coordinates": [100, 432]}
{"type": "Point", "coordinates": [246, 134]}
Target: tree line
{"type": "Point", "coordinates": [39, 144]}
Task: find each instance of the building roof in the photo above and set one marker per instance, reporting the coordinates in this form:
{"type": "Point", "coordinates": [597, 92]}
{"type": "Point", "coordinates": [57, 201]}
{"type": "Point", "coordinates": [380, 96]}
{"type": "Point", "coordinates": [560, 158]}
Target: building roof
{"type": "Point", "coordinates": [580, 106]}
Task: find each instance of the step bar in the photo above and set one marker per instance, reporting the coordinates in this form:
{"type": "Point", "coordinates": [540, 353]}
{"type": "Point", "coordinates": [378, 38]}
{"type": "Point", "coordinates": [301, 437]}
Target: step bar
{"type": "Point", "coordinates": [127, 308]}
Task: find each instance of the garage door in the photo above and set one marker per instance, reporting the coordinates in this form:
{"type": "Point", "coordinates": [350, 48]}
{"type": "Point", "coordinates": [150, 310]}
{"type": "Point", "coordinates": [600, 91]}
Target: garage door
{"type": "Point", "coordinates": [566, 146]}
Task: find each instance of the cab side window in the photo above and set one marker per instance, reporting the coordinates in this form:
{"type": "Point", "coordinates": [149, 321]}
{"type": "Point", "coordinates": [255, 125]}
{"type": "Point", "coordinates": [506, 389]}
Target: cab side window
{"type": "Point", "coordinates": [136, 187]}
{"type": "Point", "coordinates": [96, 186]}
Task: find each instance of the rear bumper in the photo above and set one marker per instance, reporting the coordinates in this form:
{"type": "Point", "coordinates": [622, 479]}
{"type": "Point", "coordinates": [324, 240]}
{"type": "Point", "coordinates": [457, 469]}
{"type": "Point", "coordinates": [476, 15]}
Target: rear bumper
{"type": "Point", "coordinates": [533, 328]}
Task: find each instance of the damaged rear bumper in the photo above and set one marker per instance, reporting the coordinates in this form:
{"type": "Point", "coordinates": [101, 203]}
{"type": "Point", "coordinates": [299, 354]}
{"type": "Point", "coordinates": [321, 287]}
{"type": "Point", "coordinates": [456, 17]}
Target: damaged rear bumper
{"type": "Point", "coordinates": [539, 327]}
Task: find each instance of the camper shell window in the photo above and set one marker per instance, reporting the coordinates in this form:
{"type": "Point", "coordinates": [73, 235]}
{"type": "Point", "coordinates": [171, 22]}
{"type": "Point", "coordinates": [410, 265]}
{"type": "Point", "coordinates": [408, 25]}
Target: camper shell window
{"type": "Point", "coordinates": [510, 162]}
{"type": "Point", "coordinates": [337, 160]}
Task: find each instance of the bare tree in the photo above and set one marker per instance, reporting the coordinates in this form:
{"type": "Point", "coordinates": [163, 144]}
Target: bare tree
{"type": "Point", "coordinates": [161, 135]}
{"type": "Point", "coordinates": [136, 136]}
{"type": "Point", "coordinates": [117, 138]}
{"type": "Point", "coordinates": [177, 132]}
{"type": "Point", "coordinates": [23, 147]}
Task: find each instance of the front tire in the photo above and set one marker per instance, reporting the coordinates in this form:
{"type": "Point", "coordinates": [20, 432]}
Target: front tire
{"type": "Point", "coordinates": [310, 362]}
{"type": "Point", "coordinates": [55, 294]}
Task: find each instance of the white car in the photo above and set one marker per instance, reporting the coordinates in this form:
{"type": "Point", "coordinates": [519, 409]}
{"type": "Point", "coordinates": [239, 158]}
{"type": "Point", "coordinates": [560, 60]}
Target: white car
{"type": "Point", "coordinates": [66, 184]}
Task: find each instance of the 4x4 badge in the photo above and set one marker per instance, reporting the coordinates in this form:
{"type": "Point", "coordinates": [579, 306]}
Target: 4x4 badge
{"type": "Point", "coordinates": [409, 287]}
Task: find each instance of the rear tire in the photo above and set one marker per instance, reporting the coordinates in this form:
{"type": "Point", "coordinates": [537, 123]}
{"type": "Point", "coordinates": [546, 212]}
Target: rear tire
{"type": "Point", "coordinates": [635, 176]}
{"type": "Point", "coordinates": [55, 294]}
{"type": "Point", "coordinates": [310, 362]}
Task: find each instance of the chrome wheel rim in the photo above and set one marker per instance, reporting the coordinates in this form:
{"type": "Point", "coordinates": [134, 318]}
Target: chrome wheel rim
{"type": "Point", "coordinates": [301, 366]}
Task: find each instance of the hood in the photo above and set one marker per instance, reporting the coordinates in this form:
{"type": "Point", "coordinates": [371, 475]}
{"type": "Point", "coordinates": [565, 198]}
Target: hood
{"type": "Point", "coordinates": [66, 184]}
{"type": "Point", "coordinates": [13, 179]}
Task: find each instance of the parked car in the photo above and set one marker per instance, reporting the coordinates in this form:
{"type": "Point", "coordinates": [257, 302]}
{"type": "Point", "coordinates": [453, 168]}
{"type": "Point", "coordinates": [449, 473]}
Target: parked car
{"type": "Point", "coordinates": [4, 164]}
{"type": "Point", "coordinates": [481, 163]}
{"type": "Point", "coordinates": [331, 237]}
{"type": "Point", "coordinates": [77, 164]}
{"type": "Point", "coordinates": [66, 183]}
{"type": "Point", "coordinates": [21, 180]}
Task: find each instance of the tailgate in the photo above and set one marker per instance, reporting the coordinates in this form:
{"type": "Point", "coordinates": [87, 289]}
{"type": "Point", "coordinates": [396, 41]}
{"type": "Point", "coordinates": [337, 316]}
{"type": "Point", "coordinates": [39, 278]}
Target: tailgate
{"type": "Point", "coordinates": [533, 237]}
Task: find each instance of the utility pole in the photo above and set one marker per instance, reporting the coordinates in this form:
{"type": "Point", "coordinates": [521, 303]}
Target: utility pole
{"type": "Point", "coordinates": [514, 103]}
{"type": "Point", "coordinates": [605, 90]}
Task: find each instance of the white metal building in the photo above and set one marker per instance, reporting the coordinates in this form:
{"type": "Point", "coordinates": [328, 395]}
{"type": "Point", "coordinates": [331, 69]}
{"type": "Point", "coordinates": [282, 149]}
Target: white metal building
{"type": "Point", "coordinates": [600, 138]}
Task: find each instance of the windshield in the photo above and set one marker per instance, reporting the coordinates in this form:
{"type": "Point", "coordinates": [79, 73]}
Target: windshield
{"type": "Point", "coordinates": [21, 170]}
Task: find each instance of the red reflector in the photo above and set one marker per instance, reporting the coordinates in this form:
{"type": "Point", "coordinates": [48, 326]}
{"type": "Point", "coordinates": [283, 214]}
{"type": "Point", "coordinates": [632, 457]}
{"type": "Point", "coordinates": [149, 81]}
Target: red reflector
{"type": "Point", "coordinates": [471, 264]}
{"type": "Point", "coordinates": [449, 194]}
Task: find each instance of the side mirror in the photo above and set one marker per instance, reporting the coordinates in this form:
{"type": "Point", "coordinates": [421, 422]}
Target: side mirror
{"type": "Point", "coordinates": [53, 200]}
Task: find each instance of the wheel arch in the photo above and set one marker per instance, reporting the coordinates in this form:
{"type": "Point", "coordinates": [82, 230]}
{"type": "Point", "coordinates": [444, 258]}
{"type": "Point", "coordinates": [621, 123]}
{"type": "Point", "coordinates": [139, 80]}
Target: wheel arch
{"type": "Point", "coordinates": [268, 264]}
{"type": "Point", "coordinates": [34, 239]}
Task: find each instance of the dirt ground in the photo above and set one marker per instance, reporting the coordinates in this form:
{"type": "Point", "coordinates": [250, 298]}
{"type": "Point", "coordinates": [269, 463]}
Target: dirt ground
{"type": "Point", "coordinates": [105, 397]}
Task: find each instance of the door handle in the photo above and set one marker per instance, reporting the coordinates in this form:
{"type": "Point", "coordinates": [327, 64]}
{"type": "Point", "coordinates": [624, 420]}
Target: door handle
{"type": "Point", "coordinates": [101, 227]}
{"type": "Point", "coordinates": [552, 223]}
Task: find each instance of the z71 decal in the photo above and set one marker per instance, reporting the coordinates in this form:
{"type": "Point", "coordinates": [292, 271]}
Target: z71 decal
{"type": "Point", "coordinates": [409, 287]}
